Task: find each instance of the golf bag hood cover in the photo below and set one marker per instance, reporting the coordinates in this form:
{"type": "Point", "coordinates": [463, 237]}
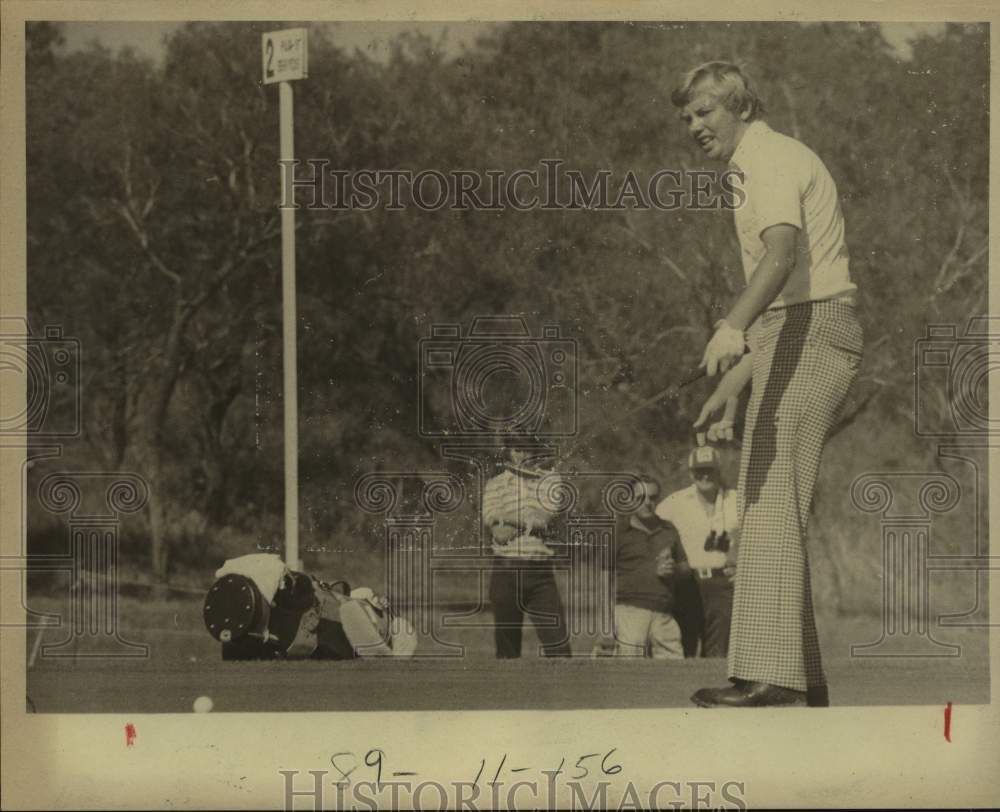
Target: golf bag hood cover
{"type": "Point", "coordinates": [234, 608]}
{"type": "Point", "coordinates": [266, 569]}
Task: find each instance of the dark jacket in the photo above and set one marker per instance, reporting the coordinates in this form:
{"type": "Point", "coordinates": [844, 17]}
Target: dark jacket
{"type": "Point", "coordinates": [636, 553]}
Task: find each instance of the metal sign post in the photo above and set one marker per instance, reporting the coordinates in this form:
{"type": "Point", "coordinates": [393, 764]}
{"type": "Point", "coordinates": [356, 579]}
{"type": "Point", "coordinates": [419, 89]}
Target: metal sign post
{"type": "Point", "coordinates": [285, 59]}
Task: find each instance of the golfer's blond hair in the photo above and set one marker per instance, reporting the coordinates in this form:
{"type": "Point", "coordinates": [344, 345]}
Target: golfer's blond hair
{"type": "Point", "coordinates": [730, 84]}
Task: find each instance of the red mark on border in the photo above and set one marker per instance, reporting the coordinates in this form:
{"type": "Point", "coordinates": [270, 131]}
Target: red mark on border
{"type": "Point", "coordinates": [947, 722]}
{"type": "Point", "coordinates": [129, 734]}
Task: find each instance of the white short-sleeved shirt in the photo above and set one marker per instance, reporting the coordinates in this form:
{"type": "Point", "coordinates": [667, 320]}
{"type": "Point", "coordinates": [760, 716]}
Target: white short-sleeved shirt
{"type": "Point", "coordinates": [685, 510]}
{"type": "Point", "coordinates": [785, 182]}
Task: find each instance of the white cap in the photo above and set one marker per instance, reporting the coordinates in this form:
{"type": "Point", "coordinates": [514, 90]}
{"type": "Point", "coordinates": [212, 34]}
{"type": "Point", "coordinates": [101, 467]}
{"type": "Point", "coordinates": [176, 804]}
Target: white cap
{"type": "Point", "coordinates": [703, 456]}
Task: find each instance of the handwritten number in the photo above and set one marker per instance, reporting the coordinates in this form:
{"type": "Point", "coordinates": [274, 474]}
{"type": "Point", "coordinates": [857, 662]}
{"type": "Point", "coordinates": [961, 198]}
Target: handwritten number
{"type": "Point", "coordinates": [502, 762]}
{"type": "Point", "coordinates": [378, 754]}
{"type": "Point", "coordinates": [338, 768]}
{"type": "Point", "coordinates": [579, 766]}
{"type": "Point", "coordinates": [269, 52]}
{"type": "Point", "coordinates": [376, 758]}
{"type": "Point", "coordinates": [612, 769]}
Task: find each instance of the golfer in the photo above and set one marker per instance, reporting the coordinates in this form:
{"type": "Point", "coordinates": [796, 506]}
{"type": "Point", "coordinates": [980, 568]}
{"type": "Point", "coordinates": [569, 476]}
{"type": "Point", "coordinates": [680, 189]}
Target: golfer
{"type": "Point", "coordinates": [805, 354]}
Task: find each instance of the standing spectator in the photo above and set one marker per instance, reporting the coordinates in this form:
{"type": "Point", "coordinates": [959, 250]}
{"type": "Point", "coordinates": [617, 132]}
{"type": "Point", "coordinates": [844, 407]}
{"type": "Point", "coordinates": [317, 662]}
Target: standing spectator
{"type": "Point", "coordinates": [648, 558]}
{"type": "Point", "coordinates": [522, 581]}
{"type": "Point", "coordinates": [705, 515]}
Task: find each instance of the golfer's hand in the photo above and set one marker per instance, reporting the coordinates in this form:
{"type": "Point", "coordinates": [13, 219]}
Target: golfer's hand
{"type": "Point", "coordinates": [730, 571]}
{"type": "Point", "coordinates": [721, 429]}
{"type": "Point", "coordinates": [724, 350]}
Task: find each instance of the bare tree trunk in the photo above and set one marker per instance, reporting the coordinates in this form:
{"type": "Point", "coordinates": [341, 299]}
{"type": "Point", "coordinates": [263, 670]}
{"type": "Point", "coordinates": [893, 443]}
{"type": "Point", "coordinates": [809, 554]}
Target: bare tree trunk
{"type": "Point", "coordinates": [145, 459]}
{"type": "Point", "coordinates": [149, 407]}
{"type": "Point", "coordinates": [159, 548]}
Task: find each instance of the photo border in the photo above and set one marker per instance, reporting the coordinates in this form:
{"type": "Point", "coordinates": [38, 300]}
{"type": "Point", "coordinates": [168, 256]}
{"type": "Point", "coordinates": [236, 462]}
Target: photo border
{"type": "Point", "coordinates": [846, 756]}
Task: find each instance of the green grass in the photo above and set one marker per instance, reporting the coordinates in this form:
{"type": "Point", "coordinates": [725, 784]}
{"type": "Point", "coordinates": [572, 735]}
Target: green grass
{"type": "Point", "coordinates": [175, 632]}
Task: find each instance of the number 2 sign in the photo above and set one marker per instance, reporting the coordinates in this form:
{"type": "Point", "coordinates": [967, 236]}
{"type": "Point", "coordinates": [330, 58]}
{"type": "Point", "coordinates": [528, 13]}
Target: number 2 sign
{"type": "Point", "coordinates": [285, 55]}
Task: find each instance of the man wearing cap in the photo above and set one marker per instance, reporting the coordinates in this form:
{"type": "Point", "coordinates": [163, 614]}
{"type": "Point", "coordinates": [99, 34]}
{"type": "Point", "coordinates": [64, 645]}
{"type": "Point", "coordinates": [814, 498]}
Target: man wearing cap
{"type": "Point", "coordinates": [705, 514]}
{"type": "Point", "coordinates": [522, 528]}
{"type": "Point", "coordinates": [806, 351]}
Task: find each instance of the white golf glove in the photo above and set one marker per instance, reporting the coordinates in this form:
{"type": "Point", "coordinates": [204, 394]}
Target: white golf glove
{"type": "Point", "coordinates": [725, 348]}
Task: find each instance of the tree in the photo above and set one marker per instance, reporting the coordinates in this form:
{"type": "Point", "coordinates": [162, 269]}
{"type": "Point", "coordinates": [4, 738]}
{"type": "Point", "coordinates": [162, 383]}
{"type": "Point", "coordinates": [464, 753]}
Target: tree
{"type": "Point", "coordinates": [166, 218]}
{"type": "Point", "coordinates": [153, 223]}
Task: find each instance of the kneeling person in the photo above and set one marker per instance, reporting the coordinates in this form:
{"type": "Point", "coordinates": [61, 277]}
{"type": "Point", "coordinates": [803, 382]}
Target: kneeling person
{"type": "Point", "coordinates": [259, 609]}
{"type": "Point", "coordinates": [648, 557]}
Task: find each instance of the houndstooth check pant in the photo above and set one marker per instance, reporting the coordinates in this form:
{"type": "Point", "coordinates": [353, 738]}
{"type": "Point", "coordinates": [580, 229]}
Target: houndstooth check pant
{"type": "Point", "coordinates": [806, 360]}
